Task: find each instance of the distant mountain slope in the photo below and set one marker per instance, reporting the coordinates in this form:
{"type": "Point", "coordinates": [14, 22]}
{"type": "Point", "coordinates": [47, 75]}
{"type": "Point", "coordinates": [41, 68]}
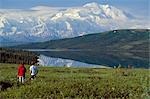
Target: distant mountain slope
{"type": "Point", "coordinates": [129, 39]}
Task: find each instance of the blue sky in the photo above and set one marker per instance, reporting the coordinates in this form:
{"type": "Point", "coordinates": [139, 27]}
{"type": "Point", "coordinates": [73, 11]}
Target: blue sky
{"type": "Point", "coordinates": [136, 6]}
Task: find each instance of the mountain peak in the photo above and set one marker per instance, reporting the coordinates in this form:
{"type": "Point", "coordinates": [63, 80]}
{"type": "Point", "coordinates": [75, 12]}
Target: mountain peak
{"type": "Point", "coordinates": [93, 5]}
{"type": "Point", "coordinates": [107, 6]}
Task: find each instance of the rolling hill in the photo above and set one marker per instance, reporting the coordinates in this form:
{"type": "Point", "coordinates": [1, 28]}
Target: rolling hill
{"type": "Point", "coordinates": [123, 40]}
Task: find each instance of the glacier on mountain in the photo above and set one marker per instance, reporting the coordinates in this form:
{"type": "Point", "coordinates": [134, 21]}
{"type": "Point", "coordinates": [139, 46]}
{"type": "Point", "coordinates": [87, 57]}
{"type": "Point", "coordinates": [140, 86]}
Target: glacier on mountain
{"type": "Point", "coordinates": [46, 23]}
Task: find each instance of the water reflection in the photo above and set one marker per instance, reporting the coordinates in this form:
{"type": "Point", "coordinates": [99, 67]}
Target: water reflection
{"type": "Point", "coordinates": [104, 58]}
{"type": "Point", "coordinates": [49, 61]}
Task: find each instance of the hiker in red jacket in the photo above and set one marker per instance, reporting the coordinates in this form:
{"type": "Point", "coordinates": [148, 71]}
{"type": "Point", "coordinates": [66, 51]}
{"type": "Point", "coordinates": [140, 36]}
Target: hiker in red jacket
{"type": "Point", "coordinates": [21, 73]}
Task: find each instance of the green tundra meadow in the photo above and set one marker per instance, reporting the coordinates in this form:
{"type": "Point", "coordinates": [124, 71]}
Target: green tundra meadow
{"type": "Point", "coordinates": [75, 83]}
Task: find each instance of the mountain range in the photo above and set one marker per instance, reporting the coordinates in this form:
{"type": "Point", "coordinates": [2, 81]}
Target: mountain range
{"type": "Point", "coordinates": [43, 23]}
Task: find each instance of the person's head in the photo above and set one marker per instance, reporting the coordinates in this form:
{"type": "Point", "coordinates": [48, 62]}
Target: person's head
{"type": "Point", "coordinates": [32, 63]}
{"type": "Point", "coordinates": [22, 64]}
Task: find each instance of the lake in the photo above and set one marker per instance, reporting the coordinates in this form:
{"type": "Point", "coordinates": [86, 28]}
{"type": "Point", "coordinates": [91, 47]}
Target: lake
{"type": "Point", "coordinates": [92, 58]}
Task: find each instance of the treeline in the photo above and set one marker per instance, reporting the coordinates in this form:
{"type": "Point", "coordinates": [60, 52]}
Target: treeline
{"type": "Point", "coordinates": [17, 56]}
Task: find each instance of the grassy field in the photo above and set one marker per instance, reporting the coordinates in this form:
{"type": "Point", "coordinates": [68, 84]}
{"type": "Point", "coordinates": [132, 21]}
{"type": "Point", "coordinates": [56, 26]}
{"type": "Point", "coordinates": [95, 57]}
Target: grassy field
{"type": "Point", "coordinates": [79, 83]}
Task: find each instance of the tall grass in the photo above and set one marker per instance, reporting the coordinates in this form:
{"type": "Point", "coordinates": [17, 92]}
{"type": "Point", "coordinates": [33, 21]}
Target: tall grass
{"type": "Point", "coordinates": [82, 83]}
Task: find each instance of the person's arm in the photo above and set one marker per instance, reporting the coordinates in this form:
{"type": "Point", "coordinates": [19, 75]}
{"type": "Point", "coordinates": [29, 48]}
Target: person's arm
{"type": "Point", "coordinates": [30, 70]}
{"type": "Point", "coordinates": [25, 70]}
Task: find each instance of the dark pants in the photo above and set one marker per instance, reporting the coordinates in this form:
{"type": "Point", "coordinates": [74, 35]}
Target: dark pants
{"type": "Point", "coordinates": [32, 77]}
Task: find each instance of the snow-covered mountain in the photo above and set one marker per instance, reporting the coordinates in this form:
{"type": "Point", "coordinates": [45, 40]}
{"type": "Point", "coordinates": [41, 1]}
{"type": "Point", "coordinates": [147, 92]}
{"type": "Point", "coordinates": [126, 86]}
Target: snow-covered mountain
{"type": "Point", "coordinates": [47, 23]}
